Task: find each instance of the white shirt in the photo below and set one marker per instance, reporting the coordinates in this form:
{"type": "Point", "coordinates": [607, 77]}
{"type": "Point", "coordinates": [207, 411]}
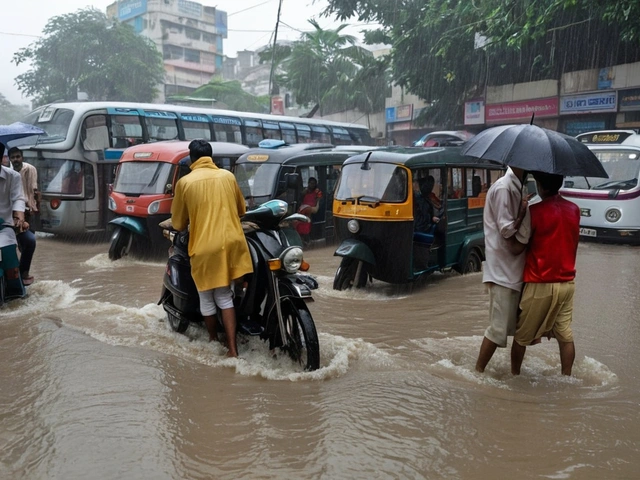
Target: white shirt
{"type": "Point", "coordinates": [11, 199]}
{"type": "Point", "coordinates": [500, 213]}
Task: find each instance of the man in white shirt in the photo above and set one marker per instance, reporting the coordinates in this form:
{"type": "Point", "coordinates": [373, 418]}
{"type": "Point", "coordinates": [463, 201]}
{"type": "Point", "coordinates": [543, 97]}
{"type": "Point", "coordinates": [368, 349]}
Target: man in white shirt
{"type": "Point", "coordinates": [12, 205]}
{"type": "Point", "coordinates": [506, 220]}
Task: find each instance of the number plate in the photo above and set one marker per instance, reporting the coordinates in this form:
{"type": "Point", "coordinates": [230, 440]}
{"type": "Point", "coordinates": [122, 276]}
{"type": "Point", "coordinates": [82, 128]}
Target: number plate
{"type": "Point", "coordinates": [588, 232]}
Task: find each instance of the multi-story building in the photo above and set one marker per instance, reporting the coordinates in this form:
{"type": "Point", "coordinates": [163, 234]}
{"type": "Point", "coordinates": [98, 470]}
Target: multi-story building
{"type": "Point", "coordinates": [188, 34]}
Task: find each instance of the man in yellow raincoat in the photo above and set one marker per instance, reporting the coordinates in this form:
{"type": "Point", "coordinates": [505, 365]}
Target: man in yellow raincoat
{"type": "Point", "coordinates": [210, 201]}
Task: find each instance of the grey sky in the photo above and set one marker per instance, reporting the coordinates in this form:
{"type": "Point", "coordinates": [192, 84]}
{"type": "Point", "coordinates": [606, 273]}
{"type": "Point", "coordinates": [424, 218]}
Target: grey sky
{"type": "Point", "coordinates": [250, 24]}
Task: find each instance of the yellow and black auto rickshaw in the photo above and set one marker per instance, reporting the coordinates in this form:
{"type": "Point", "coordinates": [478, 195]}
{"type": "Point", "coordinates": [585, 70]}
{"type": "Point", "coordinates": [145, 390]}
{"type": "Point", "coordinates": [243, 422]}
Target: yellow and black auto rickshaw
{"type": "Point", "coordinates": [376, 207]}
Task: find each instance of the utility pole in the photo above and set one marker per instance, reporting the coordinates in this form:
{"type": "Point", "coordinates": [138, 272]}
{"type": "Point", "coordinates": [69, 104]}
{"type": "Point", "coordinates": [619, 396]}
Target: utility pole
{"type": "Point", "coordinates": [273, 55]}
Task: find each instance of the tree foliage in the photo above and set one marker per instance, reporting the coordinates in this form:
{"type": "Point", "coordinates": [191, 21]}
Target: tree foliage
{"type": "Point", "coordinates": [228, 94]}
{"type": "Point", "coordinates": [327, 70]}
{"type": "Point", "coordinates": [446, 51]}
{"type": "Point", "coordinates": [10, 112]}
{"type": "Point", "coordinates": [85, 51]}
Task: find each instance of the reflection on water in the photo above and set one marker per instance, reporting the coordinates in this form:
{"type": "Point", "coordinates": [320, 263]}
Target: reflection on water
{"type": "Point", "coordinates": [95, 381]}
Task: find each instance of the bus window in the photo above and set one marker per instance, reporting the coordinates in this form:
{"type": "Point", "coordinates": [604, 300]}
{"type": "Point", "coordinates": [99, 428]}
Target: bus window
{"type": "Point", "coordinates": [271, 130]}
{"type": "Point", "coordinates": [161, 129]}
{"type": "Point", "coordinates": [304, 133]}
{"type": "Point", "coordinates": [358, 136]}
{"type": "Point", "coordinates": [125, 131]}
{"type": "Point", "coordinates": [340, 136]}
{"type": "Point", "coordinates": [320, 134]}
{"type": "Point", "coordinates": [253, 132]}
{"type": "Point", "coordinates": [288, 132]}
{"type": "Point", "coordinates": [193, 130]}
{"type": "Point", "coordinates": [62, 176]}
{"type": "Point", "coordinates": [95, 133]}
{"type": "Point", "coordinates": [227, 129]}
{"type": "Point", "coordinates": [456, 184]}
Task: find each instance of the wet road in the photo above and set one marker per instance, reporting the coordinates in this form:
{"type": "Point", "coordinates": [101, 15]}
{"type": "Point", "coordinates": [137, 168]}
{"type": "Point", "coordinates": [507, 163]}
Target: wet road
{"type": "Point", "coordinates": [95, 385]}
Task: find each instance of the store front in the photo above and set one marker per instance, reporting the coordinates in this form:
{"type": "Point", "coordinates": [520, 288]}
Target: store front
{"type": "Point", "coordinates": [588, 112]}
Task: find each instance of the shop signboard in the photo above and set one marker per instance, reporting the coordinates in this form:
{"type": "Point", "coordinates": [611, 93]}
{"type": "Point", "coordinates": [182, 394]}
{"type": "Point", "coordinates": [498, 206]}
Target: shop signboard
{"type": "Point", "coordinates": [277, 106]}
{"type": "Point", "coordinates": [598, 102]}
{"type": "Point", "coordinates": [629, 100]}
{"type": "Point", "coordinates": [474, 112]}
{"type": "Point", "coordinates": [506, 112]}
{"type": "Point", "coordinates": [401, 113]}
{"type": "Point", "coordinates": [131, 8]}
{"type": "Point", "coordinates": [390, 114]}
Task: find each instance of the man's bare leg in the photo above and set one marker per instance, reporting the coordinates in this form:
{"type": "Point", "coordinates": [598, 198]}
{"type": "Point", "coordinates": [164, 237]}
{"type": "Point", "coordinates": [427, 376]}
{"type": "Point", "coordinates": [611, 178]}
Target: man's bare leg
{"type": "Point", "coordinates": [229, 322]}
{"type": "Point", "coordinates": [517, 355]}
{"type": "Point", "coordinates": [487, 350]}
{"type": "Point", "coordinates": [212, 327]}
{"type": "Point", "coordinates": [567, 356]}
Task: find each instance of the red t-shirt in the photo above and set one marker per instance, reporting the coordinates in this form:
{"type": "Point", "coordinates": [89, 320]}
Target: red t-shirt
{"type": "Point", "coordinates": [555, 231]}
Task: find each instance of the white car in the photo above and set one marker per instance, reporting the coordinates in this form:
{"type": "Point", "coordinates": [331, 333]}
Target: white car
{"type": "Point", "coordinates": [445, 138]}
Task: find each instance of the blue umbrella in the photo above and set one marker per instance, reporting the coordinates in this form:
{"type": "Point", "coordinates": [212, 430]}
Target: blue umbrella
{"type": "Point", "coordinates": [534, 148]}
{"type": "Point", "coordinates": [18, 130]}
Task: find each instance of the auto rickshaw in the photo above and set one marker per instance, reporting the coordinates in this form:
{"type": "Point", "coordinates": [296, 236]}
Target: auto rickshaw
{"type": "Point", "coordinates": [142, 193]}
{"type": "Point", "coordinates": [375, 206]}
{"type": "Point", "coordinates": [279, 170]}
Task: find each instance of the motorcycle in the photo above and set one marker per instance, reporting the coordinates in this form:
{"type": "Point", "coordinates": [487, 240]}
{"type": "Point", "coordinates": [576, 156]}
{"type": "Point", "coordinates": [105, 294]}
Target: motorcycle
{"type": "Point", "coordinates": [270, 302]}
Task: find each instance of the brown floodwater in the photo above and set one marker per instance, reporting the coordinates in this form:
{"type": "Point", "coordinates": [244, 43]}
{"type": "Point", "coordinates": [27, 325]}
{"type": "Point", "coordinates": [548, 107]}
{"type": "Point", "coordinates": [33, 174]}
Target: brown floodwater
{"type": "Point", "coordinates": [94, 384]}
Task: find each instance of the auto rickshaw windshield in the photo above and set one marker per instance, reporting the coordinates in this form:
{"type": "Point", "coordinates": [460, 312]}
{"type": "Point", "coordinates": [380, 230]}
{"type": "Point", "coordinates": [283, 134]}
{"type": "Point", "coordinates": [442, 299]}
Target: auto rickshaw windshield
{"type": "Point", "coordinates": [381, 181]}
{"type": "Point", "coordinates": [257, 180]}
{"type": "Point", "coordinates": [146, 178]}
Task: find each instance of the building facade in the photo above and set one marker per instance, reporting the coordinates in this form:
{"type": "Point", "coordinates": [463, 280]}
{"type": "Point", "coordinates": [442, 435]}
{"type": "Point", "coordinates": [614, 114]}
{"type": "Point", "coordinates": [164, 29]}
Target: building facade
{"type": "Point", "coordinates": [189, 35]}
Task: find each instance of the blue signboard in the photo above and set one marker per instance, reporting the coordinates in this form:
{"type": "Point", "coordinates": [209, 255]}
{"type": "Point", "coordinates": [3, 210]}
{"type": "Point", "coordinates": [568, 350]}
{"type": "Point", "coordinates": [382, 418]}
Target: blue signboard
{"type": "Point", "coordinates": [589, 103]}
{"type": "Point", "coordinates": [390, 114]}
{"type": "Point", "coordinates": [605, 78]}
{"type": "Point", "coordinates": [190, 8]}
{"type": "Point", "coordinates": [221, 23]}
{"type": "Point", "coordinates": [131, 8]}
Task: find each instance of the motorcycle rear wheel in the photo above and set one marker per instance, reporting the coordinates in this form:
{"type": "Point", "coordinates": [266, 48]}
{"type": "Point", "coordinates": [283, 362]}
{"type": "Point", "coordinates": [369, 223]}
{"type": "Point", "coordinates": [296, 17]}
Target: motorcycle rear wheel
{"type": "Point", "coordinates": [177, 324]}
{"type": "Point", "coordinates": [301, 336]}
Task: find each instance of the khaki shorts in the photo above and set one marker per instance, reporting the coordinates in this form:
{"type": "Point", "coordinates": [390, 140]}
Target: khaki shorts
{"type": "Point", "coordinates": [546, 307]}
{"type": "Point", "coordinates": [503, 313]}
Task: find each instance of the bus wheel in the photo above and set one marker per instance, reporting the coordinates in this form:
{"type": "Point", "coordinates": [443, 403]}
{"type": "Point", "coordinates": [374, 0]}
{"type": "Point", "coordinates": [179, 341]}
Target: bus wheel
{"type": "Point", "coordinates": [346, 275]}
{"type": "Point", "coordinates": [473, 263]}
{"type": "Point", "coordinates": [120, 243]}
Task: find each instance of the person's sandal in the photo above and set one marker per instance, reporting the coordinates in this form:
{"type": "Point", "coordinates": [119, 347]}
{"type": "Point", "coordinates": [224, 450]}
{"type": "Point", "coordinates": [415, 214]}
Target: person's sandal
{"type": "Point", "coordinates": [28, 280]}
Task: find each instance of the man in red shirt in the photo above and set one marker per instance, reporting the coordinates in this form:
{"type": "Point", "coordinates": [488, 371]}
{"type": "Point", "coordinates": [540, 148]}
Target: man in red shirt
{"type": "Point", "coordinates": [550, 268]}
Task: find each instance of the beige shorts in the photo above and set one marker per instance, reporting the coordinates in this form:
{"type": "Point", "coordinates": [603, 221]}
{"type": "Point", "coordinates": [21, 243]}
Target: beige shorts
{"type": "Point", "coordinates": [503, 313]}
{"type": "Point", "coordinates": [546, 307]}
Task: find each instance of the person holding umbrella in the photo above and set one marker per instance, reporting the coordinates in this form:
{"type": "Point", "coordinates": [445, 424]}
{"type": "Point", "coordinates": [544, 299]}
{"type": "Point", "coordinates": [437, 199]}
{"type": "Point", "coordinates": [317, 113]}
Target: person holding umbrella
{"type": "Point", "coordinates": [506, 226]}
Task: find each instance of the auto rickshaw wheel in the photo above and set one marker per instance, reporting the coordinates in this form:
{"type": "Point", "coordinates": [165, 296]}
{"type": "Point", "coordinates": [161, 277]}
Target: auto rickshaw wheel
{"type": "Point", "coordinates": [473, 263]}
{"type": "Point", "coordinates": [120, 243]}
{"type": "Point", "coordinates": [346, 275]}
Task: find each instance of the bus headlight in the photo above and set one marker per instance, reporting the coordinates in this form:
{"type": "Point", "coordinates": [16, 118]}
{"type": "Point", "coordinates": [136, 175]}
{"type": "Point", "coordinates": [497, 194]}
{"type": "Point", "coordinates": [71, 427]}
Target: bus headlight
{"type": "Point", "coordinates": [353, 226]}
{"type": "Point", "coordinates": [613, 215]}
{"type": "Point", "coordinates": [291, 259]}
{"type": "Point", "coordinates": [153, 208]}
{"type": "Point", "coordinates": [112, 204]}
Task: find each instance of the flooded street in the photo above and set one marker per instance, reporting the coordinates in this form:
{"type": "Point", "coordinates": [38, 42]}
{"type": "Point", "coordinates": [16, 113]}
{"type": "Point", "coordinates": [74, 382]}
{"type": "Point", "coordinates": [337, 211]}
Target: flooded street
{"type": "Point", "coordinates": [94, 384]}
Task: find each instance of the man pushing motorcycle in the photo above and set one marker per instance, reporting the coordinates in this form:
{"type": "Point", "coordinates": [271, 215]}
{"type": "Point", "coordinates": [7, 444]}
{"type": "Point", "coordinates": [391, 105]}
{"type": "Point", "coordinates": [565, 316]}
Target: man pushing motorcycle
{"type": "Point", "coordinates": [209, 201]}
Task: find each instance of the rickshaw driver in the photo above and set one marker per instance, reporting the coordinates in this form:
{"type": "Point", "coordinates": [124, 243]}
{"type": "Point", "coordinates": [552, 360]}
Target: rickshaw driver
{"type": "Point", "coordinates": [210, 202]}
{"type": "Point", "coordinates": [506, 220]}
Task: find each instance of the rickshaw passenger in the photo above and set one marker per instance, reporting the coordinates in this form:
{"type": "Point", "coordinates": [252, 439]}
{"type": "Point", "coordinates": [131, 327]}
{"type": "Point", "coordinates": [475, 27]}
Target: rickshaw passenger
{"type": "Point", "coordinates": [424, 211]}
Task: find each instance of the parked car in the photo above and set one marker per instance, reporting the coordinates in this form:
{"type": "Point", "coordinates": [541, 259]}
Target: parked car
{"type": "Point", "coordinates": [446, 138]}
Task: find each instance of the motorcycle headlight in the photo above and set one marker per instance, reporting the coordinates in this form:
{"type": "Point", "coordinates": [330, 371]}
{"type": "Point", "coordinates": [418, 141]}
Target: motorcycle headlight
{"type": "Point", "coordinates": [112, 204]}
{"type": "Point", "coordinates": [291, 259]}
{"type": "Point", "coordinates": [153, 208]}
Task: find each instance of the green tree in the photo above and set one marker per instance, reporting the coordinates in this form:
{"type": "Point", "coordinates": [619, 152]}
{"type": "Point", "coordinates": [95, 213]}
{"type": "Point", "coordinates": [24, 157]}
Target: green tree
{"type": "Point", "coordinates": [10, 112]}
{"type": "Point", "coordinates": [446, 51]}
{"type": "Point", "coordinates": [85, 51]}
{"type": "Point", "coordinates": [228, 93]}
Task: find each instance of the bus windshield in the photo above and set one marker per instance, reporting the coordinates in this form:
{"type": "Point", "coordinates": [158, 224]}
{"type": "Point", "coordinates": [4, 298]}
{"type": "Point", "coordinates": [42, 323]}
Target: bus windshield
{"type": "Point", "coordinates": [257, 181]}
{"type": "Point", "coordinates": [379, 182]}
{"type": "Point", "coordinates": [54, 121]}
{"type": "Point", "coordinates": [146, 178]}
{"type": "Point", "coordinates": [622, 166]}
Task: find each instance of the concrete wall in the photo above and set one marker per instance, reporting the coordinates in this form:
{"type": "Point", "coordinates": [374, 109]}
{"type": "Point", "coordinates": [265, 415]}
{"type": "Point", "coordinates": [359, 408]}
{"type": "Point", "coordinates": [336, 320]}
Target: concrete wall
{"type": "Point", "coordinates": [521, 91]}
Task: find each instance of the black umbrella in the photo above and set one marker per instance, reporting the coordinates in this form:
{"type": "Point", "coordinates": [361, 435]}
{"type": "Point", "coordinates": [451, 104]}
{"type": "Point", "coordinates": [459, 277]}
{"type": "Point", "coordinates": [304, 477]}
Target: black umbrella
{"type": "Point", "coordinates": [534, 148]}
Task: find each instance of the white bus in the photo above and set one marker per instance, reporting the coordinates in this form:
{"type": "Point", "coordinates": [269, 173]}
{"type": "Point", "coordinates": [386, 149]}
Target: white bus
{"type": "Point", "coordinates": [76, 159]}
{"type": "Point", "coordinates": [609, 207]}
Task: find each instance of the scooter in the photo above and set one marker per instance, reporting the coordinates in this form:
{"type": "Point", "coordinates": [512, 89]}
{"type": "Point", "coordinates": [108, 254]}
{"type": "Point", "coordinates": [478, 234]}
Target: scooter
{"type": "Point", "coordinates": [11, 285]}
{"type": "Point", "coordinates": [270, 302]}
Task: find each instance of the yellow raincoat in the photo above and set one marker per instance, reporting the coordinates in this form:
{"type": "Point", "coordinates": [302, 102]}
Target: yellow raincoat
{"type": "Point", "coordinates": [210, 200]}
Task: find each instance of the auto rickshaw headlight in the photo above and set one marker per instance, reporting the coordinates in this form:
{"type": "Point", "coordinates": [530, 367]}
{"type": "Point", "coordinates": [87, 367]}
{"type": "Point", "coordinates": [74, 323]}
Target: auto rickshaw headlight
{"type": "Point", "coordinates": [613, 215]}
{"type": "Point", "coordinates": [112, 204]}
{"type": "Point", "coordinates": [291, 259]}
{"type": "Point", "coordinates": [353, 226]}
{"type": "Point", "coordinates": [153, 208]}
